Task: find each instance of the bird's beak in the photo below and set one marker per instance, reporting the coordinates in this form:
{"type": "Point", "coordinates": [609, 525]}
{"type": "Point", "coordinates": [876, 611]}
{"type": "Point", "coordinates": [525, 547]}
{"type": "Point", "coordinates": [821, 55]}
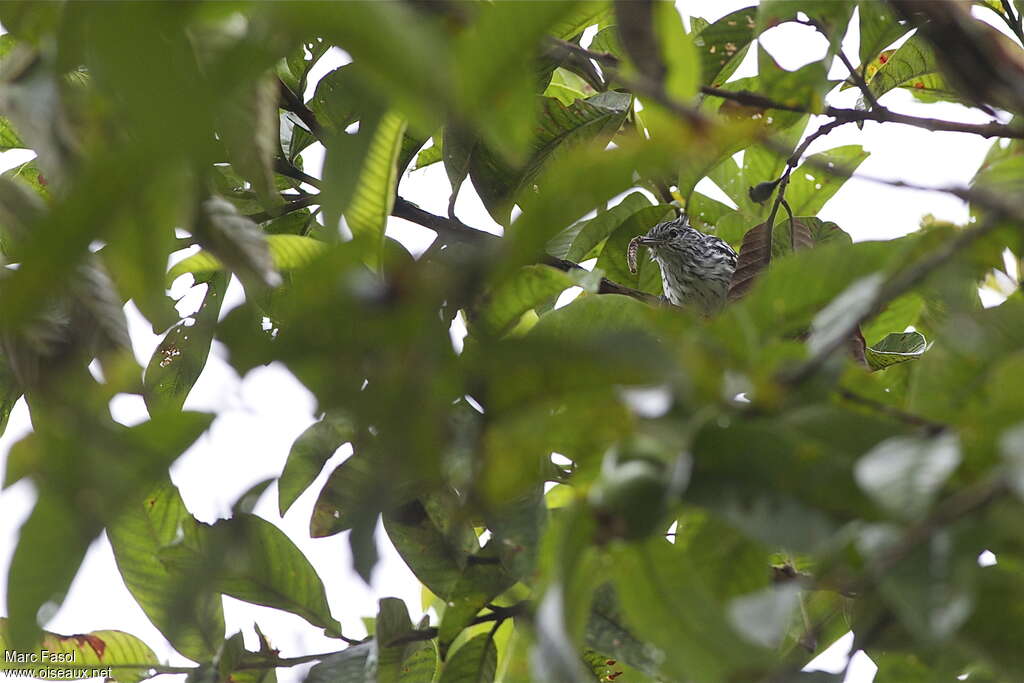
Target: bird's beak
{"type": "Point", "coordinates": [650, 241]}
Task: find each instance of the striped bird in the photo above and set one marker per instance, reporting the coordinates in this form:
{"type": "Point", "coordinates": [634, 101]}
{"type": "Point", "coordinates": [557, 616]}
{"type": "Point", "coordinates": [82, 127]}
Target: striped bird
{"type": "Point", "coordinates": [696, 268]}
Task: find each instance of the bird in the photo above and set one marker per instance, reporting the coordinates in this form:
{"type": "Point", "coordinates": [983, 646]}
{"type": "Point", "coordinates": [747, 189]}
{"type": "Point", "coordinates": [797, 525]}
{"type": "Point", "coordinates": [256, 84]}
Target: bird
{"type": "Point", "coordinates": [696, 268]}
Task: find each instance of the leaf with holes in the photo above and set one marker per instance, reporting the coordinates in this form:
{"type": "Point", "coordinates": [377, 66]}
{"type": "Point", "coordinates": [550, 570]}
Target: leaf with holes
{"type": "Point", "coordinates": [821, 175]}
{"type": "Point", "coordinates": [181, 356]}
{"type": "Point", "coordinates": [879, 29]}
{"type": "Point", "coordinates": [77, 656]}
{"type": "Point", "coordinates": [723, 44]}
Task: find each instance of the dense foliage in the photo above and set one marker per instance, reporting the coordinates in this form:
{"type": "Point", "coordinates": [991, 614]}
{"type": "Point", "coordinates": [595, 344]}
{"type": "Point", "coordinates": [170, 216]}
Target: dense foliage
{"type": "Point", "coordinates": [793, 477]}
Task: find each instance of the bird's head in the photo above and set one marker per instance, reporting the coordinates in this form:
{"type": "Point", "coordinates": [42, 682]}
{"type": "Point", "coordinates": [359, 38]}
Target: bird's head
{"type": "Point", "coordinates": [669, 236]}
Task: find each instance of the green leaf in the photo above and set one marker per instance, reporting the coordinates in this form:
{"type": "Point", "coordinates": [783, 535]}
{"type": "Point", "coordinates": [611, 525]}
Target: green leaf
{"type": "Point", "coordinates": [559, 128]}
{"type": "Point", "coordinates": [901, 313]}
{"type": "Point", "coordinates": [308, 454]}
{"type": "Point", "coordinates": [821, 175]}
{"type": "Point", "coordinates": [666, 602]}
{"type": "Point", "coordinates": [374, 192]}
{"type": "Point", "coordinates": [904, 474]}
{"type": "Point", "coordinates": [249, 130]}
{"type": "Point", "coordinates": [181, 356]}
{"type": "Point", "coordinates": [30, 174]}
{"type": "Point", "coordinates": [607, 632]}
{"type": "Point", "coordinates": [348, 489]}
{"type": "Point", "coordinates": [430, 155]}
{"type": "Point", "coordinates": [896, 348]}
{"type": "Point", "coordinates": [475, 662]}
{"type": "Point", "coordinates": [593, 232]}
{"type": "Point", "coordinates": [399, 662]}
{"type": "Point", "coordinates": [723, 44]}
{"type": "Point", "coordinates": [908, 66]}
{"type": "Point", "coordinates": [83, 655]}
{"type": "Point", "coordinates": [9, 138]}
{"type": "Point", "coordinates": [287, 252]}
{"type": "Point", "coordinates": [76, 459]}
{"type": "Point", "coordinates": [496, 75]}
{"type": "Point", "coordinates": [438, 547]}
{"type": "Point", "coordinates": [10, 392]}
{"type": "Point", "coordinates": [250, 559]}
{"type": "Point", "coordinates": [764, 617]}
{"type": "Point", "coordinates": [878, 29]}
{"type": "Point", "coordinates": [235, 241]}
{"type": "Point", "coordinates": [339, 99]}
{"type": "Point", "coordinates": [530, 287]}
{"type": "Point", "coordinates": [679, 52]}
{"type": "Point", "coordinates": [195, 627]}
{"type": "Point", "coordinates": [835, 320]}
{"type": "Point", "coordinates": [805, 87]}
{"type": "Point", "coordinates": [347, 666]}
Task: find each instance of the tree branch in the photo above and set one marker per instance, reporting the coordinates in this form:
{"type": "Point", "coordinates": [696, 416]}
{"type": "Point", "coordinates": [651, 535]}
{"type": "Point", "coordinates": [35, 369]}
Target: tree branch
{"type": "Point", "coordinates": [452, 229]}
{"type": "Point", "coordinates": [751, 99]}
{"type": "Point", "coordinates": [289, 207]}
{"type": "Point", "coordinates": [293, 103]}
{"type": "Point", "coordinates": [881, 115]}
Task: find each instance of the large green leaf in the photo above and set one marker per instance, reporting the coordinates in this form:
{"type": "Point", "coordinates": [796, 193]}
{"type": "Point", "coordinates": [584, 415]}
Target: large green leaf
{"type": "Point", "coordinates": [75, 459]}
{"type": "Point", "coordinates": [374, 191]}
{"type": "Point", "coordinates": [559, 129]}
{"type": "Point", "coordinates": [475, 662]}
{"type": "Point", "coordinates": [439, 549]}
{"type": "Point", "coordinates": [532, 286]}
{"type": "Point", "coordinates": [666, 602]}
{"type": "Point", "coordinates": [250, 559]}
{"type": "Point", "coordinates": [83, 655]}
{"type": "Point", "coordinates": [913, 65]}
{"type": "Point", "coordinates": [347, 666]}
{"type": "Point", "coordinates": [195, 627]}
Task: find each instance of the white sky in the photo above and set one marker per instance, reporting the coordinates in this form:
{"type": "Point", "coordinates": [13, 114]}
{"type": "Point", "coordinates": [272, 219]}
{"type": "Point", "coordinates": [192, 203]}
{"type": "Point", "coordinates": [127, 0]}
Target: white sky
{"type": "Point", "coordinates": [261, 414]}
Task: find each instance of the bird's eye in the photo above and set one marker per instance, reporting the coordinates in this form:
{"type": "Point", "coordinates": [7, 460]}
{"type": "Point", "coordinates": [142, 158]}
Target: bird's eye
{"type": "Point", "coordinates": [673, 233]}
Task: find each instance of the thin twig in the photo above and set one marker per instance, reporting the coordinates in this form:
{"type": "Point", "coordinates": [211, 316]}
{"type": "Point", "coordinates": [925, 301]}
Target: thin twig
{"type": "Point", "coordinates": [855, 75]}
{"type": "Point", "coordinates": [891, 411]}
{"type": "Point", "coordinates": [1012, 20]}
